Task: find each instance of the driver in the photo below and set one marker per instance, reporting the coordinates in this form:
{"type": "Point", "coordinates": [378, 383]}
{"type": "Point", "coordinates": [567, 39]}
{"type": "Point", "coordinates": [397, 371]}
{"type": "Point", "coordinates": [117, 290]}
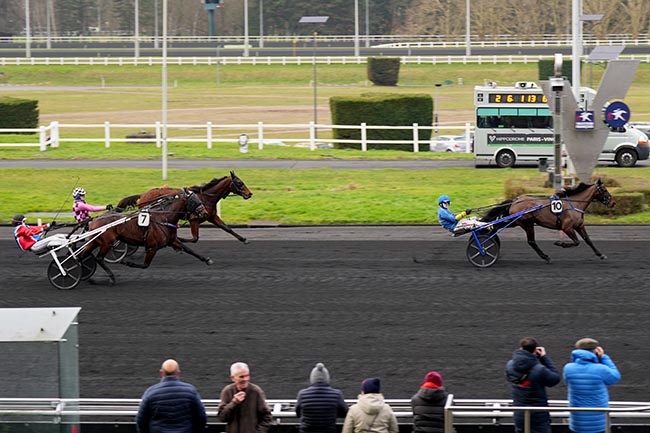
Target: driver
{"type": "Point", "coordinates": [80, 209]}
{"type": "Point", "coordinates": [447, 218]}
{"type": "Point", "coordinates": [30, 238]}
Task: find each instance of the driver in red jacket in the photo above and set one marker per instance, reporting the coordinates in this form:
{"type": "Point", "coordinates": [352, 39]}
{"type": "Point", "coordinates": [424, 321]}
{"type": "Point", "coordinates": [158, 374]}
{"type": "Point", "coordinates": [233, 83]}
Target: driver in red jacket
{"type": "Point", "coordinates": [29, 238]}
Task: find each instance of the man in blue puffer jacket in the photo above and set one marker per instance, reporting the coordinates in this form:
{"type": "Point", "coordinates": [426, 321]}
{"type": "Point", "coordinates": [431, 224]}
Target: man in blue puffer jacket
{"type": "Point", "coordinates": [171, 406]}
{"type": "Point", "coordinates": [587, 376]}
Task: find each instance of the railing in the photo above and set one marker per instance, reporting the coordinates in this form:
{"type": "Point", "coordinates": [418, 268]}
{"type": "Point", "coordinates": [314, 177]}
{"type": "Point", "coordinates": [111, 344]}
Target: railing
{"type": "Point", "coordinates": [457, 411]}
{"type": "Point", "coordinates": [279, 60]}
{"type": "Point", "coordinates": [258, 133]}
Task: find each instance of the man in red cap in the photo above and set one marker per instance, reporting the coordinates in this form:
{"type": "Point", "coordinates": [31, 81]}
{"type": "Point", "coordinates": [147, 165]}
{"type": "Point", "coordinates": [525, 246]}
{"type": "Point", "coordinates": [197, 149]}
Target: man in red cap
{"type": "Point", "coordinates": [428, 405]}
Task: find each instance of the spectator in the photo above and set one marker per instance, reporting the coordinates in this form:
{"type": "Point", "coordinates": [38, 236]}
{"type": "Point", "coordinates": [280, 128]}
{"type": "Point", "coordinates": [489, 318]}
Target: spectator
{"type": "Point", "coordinates": [587, 377]}
{"type": "Point", "coordinates": [32, 238]}
{"type": "Point", "coordinates": [530, 371]}
{"type": "Point", "coordinates": [243, 404]}
{"type": "Point", "coordinates": [370, 414]}
{"type": "Point", "coordinates": [319, 405]}
{"type": "Point", "coordinates": [171, 405]}
{"type": "Point", "coordinates": [80, 209]}
{"type": "Point", "coordinates": [428, 405]}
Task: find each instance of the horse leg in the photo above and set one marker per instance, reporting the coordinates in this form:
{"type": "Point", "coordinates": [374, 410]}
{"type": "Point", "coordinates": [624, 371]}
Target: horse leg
{"type": "Point", "coordinates": [194, 228]}
{"type": "Point", "coordinates": [583, 233]}
{"type": "Point", "coordinates": [178, 245]}
{"type": "Point", "coordinates": [100, 261]}
{"type": "Point", "coordinates": [530, 235]}
{"type": "Point", "coordinates": [149, 254]}
{"type": "Point", "coordinates": [225, 227]}
{"type": "Point", "coordinates": [571, 234]}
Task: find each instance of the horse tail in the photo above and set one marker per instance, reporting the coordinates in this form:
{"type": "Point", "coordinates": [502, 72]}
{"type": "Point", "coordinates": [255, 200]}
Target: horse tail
{"type": "Point", "coordinates": [130, 201]}
{"type": "Point", "coordinates": [497, 211]}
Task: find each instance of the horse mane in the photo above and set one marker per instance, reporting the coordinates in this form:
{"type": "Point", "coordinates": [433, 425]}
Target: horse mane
{"type": "Point", "coordinates": [568, 192]}
{"type": "Point", "coordinates": [497, 211]}
{"type": "Point", "coordinates": [213, 182]}
{"type": "Point", "coordinates": [129, 201]}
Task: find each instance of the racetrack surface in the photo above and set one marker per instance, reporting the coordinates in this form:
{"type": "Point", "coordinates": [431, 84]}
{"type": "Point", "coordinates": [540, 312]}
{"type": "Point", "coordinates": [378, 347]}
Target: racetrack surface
{"type": "Point", "coordinates": [354, 299]}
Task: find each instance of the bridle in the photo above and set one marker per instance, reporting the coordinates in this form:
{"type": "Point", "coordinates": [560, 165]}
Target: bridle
{"type": "Point", "coordinates": [602, 195]}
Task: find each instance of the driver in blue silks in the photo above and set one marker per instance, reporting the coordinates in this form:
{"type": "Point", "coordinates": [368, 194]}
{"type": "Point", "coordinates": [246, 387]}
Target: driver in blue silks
{"type": "Point", "coordinates": [447, 218]}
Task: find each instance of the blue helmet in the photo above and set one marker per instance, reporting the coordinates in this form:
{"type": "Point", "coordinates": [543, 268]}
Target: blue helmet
{"type": "Point", "coordinates": [442, 199]}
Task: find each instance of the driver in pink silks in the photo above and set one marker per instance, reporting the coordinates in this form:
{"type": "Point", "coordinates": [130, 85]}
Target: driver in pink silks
{"type": "Point", "coordinates": [80, 209]}
{"type": "Point", "coordinates": [29, 238]}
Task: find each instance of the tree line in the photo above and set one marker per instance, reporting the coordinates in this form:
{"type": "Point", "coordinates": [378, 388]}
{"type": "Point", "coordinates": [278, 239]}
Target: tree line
{"type": "Point", "coordinates": [519, 18]}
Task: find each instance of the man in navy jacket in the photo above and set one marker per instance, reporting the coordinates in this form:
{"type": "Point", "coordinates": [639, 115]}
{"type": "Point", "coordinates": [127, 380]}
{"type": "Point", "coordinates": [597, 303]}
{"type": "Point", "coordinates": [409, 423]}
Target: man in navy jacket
{"type": "Point", "coordinates": [530, 371]}
{"type": "Point", "coordinates": [319, 405]}
{"type": "Point", "coordinates": [171, 405]}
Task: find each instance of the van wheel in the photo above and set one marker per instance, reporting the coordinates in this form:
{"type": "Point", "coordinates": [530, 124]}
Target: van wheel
{"type": "Point", "coordinates": [626, 158]}
{"type": "Point", "coordinates": [505, 159]}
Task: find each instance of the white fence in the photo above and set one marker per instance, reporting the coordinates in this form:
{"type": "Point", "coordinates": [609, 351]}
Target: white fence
{"type": "Point", "coordinates": [279, 60]}
{"type": "Point", "coordinates": [53, 134]}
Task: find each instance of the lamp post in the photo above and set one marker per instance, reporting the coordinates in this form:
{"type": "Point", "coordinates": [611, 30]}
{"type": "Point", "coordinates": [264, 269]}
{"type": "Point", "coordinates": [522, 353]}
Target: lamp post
{"type": "Point", "coordinates": [28, 41]}
{"type": "Point", "coordinates": [245, 28]}
{"type": "Point", "coordinates": [367, 25]}
{"type": "Point", "coordinates": [164, 91]}
{"type": "Point", "coordinates": [261, 23]}
{"type": "Point", "coordinates": [315, 20]}
{"type": "Point", "coordinates": [155, 24]}
{"type": "Point", "coordinates": [136, 31]}
{"type": "Point", "coordinates": [356, 28]}
{"type": "Point", "coordinates": [436, 108]}
{"type": "Point", "coordinates": [468, 39]}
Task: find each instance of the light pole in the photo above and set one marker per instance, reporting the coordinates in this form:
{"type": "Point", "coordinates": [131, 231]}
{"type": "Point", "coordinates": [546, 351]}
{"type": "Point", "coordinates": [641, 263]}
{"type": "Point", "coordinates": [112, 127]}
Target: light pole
{"type": "Point", "coordinates": [436, 108]}
{"type": "Point", "coordinates": [155, 24]}
{"type": "Point", "coordinates": [28, 41]}
{"type": "Point", "coordinates": [315, 20]}
{"type": "Point", "coordinates": [468, 39]}
{"type": "Point", "coordinates": [367, 25]}
{"type": "Point", "coordinates": [261, 23]}
{"type": "Point", "coordinates": [164, 91]}
{"type": "Point", "coordinates": [245, 28]}
{"type": "Point", "coordinates": [136, 31]}
{"type": "Point", "coordinates": [356, 28]}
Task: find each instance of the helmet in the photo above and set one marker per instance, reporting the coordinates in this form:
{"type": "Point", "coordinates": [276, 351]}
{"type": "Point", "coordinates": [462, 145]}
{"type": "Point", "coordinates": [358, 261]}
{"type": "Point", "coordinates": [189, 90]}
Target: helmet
{"type": "Point", "coordinates": [17, 219]}
{"type": "Point", "coordinates": [78, 192]}
{"type": "Point", "coordinates": [442, 199]}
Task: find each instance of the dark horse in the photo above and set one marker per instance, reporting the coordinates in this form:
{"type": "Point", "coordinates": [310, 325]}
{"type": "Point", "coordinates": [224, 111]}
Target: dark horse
{"type": "Point", "coordinates": [160, 231]}
{"type": "Point", "coordinates": [569, 218]}
{"type": "Point", "coordinates": [209, 194]}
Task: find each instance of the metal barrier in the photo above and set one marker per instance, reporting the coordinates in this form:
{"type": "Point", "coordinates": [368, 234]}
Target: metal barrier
{"type": "Point", "coordinates": [458, 412]}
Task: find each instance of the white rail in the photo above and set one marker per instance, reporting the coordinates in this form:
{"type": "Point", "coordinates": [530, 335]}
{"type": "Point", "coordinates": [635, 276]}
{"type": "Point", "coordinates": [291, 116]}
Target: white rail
{"type": "Point", "coordinates": [208, 134]}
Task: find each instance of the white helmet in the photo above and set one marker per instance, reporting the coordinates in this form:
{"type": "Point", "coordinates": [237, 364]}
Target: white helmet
{"type": "Point", "coordinates": [78, 192]}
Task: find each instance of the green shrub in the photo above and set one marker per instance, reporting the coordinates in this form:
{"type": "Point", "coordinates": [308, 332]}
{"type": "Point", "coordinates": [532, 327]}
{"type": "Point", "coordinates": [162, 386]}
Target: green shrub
{"type": "Point", "coordinates": [18, 113]}
{"type": "Point", "coordinates": [382, 109]}
{"type": "Point", "coordinates": [626, 203]}
{"type": "Point", "coordinates": [383, 71]}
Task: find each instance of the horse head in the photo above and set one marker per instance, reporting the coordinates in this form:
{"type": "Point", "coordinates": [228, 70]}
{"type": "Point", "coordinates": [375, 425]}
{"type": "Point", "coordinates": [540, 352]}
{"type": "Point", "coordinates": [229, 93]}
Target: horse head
{"type": "Point", "coordinates": [238, 187]}
{"type": "Point", "coordinates": [602, 195]}
{"type": "Point", "coordinates": [193, 203]}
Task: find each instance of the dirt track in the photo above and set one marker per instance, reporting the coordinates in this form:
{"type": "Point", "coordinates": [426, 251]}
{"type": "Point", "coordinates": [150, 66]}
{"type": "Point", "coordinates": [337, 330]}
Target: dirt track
{"type": "Point", "coordinates": [362, 306]}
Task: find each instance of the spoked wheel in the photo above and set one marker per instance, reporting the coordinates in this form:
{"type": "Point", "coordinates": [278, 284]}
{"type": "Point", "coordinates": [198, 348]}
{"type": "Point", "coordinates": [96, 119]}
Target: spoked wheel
{"type": "Point", "coordinates": [64, 280]}
{"type": "Point", "coordinates": [131, 249]}
{"type": "Point", "coordinates": [117, 253]}
{"type": "Point", "coordinates": [490, 250]}
{"type": "Point", "coordinates": [88, 266]}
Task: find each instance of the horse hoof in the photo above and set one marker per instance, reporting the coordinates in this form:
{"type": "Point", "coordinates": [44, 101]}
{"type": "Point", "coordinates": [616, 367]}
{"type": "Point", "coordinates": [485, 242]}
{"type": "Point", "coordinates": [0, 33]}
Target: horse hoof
{"type": "Point", "coordinates": [558, 243]}
{"type": "Point", "coordinates": [209, 261]}
{"type": "Point", "coordinates": [245, 241]}
{"type": "Point", "coordinates": [547, 259]}
{"type": "Point", "coordinates": [603, 257]}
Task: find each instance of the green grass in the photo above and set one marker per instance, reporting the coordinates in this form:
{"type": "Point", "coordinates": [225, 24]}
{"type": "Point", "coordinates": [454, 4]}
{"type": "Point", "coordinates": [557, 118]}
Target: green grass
{"type": "Point", "coordinates": [317, 196]}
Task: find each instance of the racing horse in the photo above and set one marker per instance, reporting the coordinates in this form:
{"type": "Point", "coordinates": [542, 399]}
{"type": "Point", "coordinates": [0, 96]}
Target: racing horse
{"type": "Point", "coordinates": [153, 227]}
{"type": "Point", "coordinates": [209, 193]}
{"type": "Point", "coordinates": [564, 211]}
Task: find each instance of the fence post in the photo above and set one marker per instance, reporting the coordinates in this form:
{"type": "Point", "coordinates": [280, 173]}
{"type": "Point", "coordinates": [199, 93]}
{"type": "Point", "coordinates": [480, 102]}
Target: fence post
{"type": "Point", "coordinates": [416, 145]}
{"type": "Point", "coordinates": [107, 134]}
{"type": "Point", "coordinates": [312, 135]}
{"type": "Point", "coordinates": [54, 134]}
{"type": "Point", "coordinates": [364, 137]}
{"type": "Point", "coordinates": [209, 135]}
{"type": "Point", "coordinates": [158, 135]}
{"type": "Point", "coordinates": [260, 135]}
{"type": "Point", "coordinates": [42, 138]}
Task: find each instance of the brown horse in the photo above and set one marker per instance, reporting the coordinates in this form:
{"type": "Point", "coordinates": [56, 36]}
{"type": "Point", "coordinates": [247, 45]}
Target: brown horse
{"type": "Point", "coordinates": [209, 193]}
{"type": "Point", "coordinates": [565, 211]}
{"type": "Point", "coordinates": [155, 232]}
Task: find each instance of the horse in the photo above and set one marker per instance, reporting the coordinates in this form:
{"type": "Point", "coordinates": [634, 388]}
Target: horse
{"type": "Point", "coordinates": [209, 193]}
{"type": "Point", "coordinates": [565, 211]}
{"type": "Point", "coordinates": [156, 233]}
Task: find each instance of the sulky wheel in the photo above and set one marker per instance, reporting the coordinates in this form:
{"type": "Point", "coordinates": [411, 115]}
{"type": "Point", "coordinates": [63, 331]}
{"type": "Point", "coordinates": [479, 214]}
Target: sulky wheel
{"type": "Point", "coordinates": [131, 249]}
{"type": "Point", "coordinates": [69, 278]}
{"type": "Point", "coordinates": [117, 253]}
{"type": "Point", "coordinates": [490, 253]}
{"type": "Point", "coordinates": [88, 266]}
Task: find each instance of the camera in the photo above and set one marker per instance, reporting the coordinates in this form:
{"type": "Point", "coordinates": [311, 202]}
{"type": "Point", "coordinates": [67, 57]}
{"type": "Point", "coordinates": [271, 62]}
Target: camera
{"type": "Point", "coordinates": [557, 84]}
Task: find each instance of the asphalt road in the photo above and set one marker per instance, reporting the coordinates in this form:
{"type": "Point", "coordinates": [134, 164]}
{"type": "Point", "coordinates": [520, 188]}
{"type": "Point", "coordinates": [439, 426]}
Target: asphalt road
{"type": "Point", "coordinates": [353, 298]}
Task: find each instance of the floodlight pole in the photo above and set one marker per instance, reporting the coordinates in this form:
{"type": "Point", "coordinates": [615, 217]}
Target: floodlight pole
{"type": "Point", "coordinates": [155, 24]}
{"type": "Point", "coordinates": [245, 28]}
{"type": "Point", "coordinates": [468, 39]}
{"type": "Point", "coordinates": [136, 31]}
{"type": "Point", "coordinates": [367, 25]}
{"type": "Point", "coordinates": [261, 23]}
{"type": "Point", "coordinates": [356, 28]}
{"type": "Point", "coordinates": [28, 41]}
{"type": "Point", "coordinates": [315, 89]}
{"type": "Point", "coordinates": [576, 11]}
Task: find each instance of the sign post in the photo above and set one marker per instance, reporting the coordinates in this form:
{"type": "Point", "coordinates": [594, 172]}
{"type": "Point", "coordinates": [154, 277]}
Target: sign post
{"type": "Point", "coordinates": [557, 85]}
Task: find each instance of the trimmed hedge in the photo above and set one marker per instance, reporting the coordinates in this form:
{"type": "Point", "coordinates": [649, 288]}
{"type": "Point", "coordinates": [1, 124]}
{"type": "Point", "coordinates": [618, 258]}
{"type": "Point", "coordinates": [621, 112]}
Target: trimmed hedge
{"type": "Point", "coordinates": [383, 71]}
{"type": "Point", "coordinates": [382, 109]}
{"type": "Point", "coordinates": [546, 69]}
{"type": "Point", "coordinates": [18, 113]}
